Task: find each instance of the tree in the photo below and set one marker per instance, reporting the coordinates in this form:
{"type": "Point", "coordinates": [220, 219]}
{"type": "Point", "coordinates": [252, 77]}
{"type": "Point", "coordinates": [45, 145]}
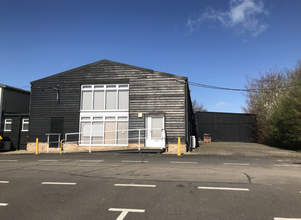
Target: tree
{"type": "Point", "coordinates": [262, 96]}
{"type": "Point", "coordinates": [286, 126]}
{"type": "Point", "coordinates": [198, 107]}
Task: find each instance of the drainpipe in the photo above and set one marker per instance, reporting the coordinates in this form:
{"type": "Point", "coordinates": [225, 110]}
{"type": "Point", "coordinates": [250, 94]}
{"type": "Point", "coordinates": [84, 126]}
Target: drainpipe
{"type": "Point", "coordinates": [19, 132]}
{"type": "Point", "coordinates": [186, 116]}
{"type": "Point", "coordinates": [1, 111]}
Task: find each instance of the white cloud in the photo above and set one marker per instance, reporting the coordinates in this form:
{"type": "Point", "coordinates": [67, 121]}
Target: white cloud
{"type": "Point", "coordinates": [243, 16]}
{"type": "Point", "coordinates": [222, 105]}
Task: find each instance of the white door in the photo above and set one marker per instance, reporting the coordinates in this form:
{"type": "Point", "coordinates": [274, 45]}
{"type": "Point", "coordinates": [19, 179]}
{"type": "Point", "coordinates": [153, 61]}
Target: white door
{"type": "Point", "coordinates": [154, 133]}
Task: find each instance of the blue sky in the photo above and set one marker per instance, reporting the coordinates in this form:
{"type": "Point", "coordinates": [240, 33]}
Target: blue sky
{"type": "Point", "coordinates": [212, 42]}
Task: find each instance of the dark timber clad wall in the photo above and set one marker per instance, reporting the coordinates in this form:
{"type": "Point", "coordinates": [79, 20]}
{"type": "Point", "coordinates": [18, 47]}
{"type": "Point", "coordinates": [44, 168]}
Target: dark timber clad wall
{"type": "Point", "coordinates": [16, 133]}
{"type": "Point", "coordinates": [226, 127]}
{"type": "Point", "coordinates": [150, 92]}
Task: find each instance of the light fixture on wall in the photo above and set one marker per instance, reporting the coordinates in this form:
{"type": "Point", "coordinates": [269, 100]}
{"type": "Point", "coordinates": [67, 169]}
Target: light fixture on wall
{"type": "Point", "coordinates": [57, 89]}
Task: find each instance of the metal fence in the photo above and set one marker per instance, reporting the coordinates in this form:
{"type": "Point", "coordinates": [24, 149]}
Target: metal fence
{"type": "Point", "coordinates": [98, 138]}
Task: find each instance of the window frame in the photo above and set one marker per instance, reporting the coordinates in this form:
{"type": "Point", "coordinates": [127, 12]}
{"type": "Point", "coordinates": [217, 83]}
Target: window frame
{"type": "Point", "coordinates": [88, 118]}
{"type": "Point", "coordinates": [8, 121]}
{"type": "Point", "coordinates": [105, 88]}
{"type": "Point", "coordinates": [25, 121]}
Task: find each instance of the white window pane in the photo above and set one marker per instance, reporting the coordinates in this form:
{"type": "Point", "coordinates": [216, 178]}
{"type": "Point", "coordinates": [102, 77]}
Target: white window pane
{"type": "Point", "coordinates": [97, 118]}
{"type": "Point", "coordinates": [157, 125]}
{"type": "Point", "coordinates": [111, 86]}
{"type": "Point", "coordinates": [87, 100]}
{"type": "Point", "coordinates": [111, 100]}
{"type": "Point", "coordinates": [85, 133]}
{"type": "Point", "coordinates": [86, 129]}
{"type": "Point", "coordinates": [97, 133]}
{"type": "Point", "coordinates": [97, 129]}
{"type": "Point", "coordinates": [87, 87]}
{"type": "Point", "coordinates": [123, 101]}
{"type": "Point", "coordinates": [110, 118]}
{"type": "Point", "coordinates": [98, 87]}
{"type": "Point", "coordinates": [25, 124]}
{"type": "Point", "coordinates": [7, 124]}
{"type": "Point", "coordinates": [122, 118]}
{"type": "Point", "coordinates": [110, 132]}
{"type": "Point", "coordinates": [98, 100]}
{"type": "Point", "coordinates": [25, 127]}
{"type": "Point", "coordinates": [122, 133]}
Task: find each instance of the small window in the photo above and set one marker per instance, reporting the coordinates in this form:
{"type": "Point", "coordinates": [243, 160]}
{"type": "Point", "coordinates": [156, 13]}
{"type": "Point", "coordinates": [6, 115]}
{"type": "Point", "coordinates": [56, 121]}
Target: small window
{"type": "Point", "coordinates": [122, 118]}
{"type": "Point", "coordinates": [110, 118]}
{"type": "Point", "coordinates": [97, 118]}
{"type": "Point", "coordinates": [87, 87]}
{"type": "Point", "coordinates": [111, 86]}
{"type": "Point", "coordinates": [85, 118]}
{"type": "Point", "coordinates": [7, 124]}
{"type": "Point", "coordinates": [25, 124]}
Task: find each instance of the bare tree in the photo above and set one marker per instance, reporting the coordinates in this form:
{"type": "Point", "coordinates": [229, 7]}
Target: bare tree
{"type": "Point", "coordinates": [263, 95]}
{"type": "Point", "coordinates": [198, 107]}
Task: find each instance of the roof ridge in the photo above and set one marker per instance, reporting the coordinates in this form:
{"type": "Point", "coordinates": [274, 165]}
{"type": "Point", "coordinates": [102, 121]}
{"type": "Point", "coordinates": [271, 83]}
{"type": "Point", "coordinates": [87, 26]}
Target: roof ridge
{"type": "Point", "coordinates": [113, 62]}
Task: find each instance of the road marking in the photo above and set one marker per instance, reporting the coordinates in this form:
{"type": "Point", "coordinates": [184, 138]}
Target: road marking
{"type": "Point", "coordinates": [287, 218]}
{"type": "Point", "coordinates": [57, 183]}
{"type": "Point", "coordinates": [137, 185]}
{"type": "Point", "coordinates": [221, 188]}
{"type": "Point", "coordinates": [124, 212]}
{"type": "Point", "coordinates": [3, 204]}
{"type": "Point", "coordinates": [47, 160]}
{"type": "Point", "coordinates": [287, 165]}
{"type": "Point", "coordinates": [134, 161]}
{"type": "Point", "coordinates": [96, 161]}
{"type": "Point", "coordinates": [183, 162]}
{"type": "Point", "coordinates": [8, 160]}
{"type": "Point", "coordinates": [238, 164]}
{"type": "Point", "coordinates": [4, 181]}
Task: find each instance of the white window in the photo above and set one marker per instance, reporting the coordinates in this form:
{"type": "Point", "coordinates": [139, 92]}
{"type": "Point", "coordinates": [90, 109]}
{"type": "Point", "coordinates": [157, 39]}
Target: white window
{"type": "Point", "coordinates": [105, 97]}
{"type": "Point", "coordinates": [7, 124]}
{"type": "Point", "coordinates": [104, 115]}
{"type": "Point", "coordinates": [25, 124]}
{"type": "Point", "coordinates": [108, 130]}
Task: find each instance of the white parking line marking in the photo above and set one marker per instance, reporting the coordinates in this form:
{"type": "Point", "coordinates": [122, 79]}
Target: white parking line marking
{"type": "Point", "coordinates": [183, 162]}
{"type": "Point", "coordinates": [287, 218]}
{"type": "Point", "coordinates": [8, 160]}
{"type": "Point", "coordinates": [287, 165]}
{"type": "Point", "coordinates": [4, 181]}
{"type": "Point", "coordinates": [47, 160]}
{"type": "Point", "coordinates": [57, 183]}
{"type": "Point", "coordinates": [124, 212]}
{"type": "Point", "coordinates": [134, 161]}
{"type": "Point", "coordinates": [3, 204]}
{"type": "Point", "coordinates": [137, 185]}
{"type": "Point", "coordinates": [222, 188]}
{"type": "Point", "coordinates": [238, 164]}
{"type": "Point", "coordinates": [96, 161]}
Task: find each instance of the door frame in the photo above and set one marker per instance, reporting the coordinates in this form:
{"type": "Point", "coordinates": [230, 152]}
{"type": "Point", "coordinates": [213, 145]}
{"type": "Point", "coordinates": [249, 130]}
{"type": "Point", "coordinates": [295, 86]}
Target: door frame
{"type": "Point", "coordinates": [149, 142]}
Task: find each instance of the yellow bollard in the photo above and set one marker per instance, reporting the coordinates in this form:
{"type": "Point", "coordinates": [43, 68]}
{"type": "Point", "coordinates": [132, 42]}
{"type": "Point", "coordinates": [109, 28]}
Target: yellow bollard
{"type": "Point", "coordinates": [179, 146]}
{"type": "Point", "coordinates": [61, 148]}
{"type": "Point", "coordinates": [37, 145]}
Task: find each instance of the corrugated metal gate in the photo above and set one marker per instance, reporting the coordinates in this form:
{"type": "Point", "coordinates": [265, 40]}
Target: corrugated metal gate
{"type": "Point", "coordinates": [226, 127]}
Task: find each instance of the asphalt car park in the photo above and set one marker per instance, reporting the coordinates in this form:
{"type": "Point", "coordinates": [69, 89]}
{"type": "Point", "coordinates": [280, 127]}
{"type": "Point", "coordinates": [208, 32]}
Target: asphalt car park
{"type": "Point", "coordinates": [148, 186]}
